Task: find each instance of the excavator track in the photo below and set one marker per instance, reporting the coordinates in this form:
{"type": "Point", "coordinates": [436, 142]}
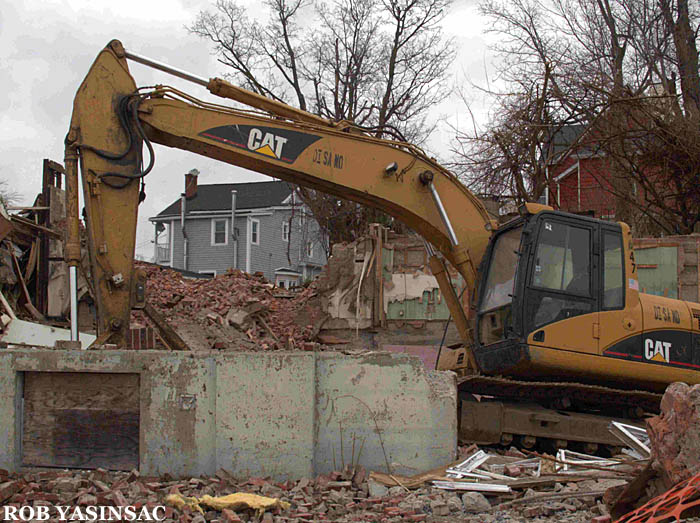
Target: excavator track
{"type": "Point", "coordinates": [548, 415]}
{"type": "Point", "coordinates": [562, 394]}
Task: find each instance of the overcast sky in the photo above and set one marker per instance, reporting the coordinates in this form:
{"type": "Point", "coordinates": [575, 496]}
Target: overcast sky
{"type": "Point", "coordinates": [46, 48]}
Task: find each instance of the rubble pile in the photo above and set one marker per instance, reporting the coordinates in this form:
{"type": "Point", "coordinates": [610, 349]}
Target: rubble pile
{"type": "Point", "coordinates": [345, 496]}
{"type": "Point", "coordinates": [234, 308]}
{"type": "Point", "coordinates": [668, 486]}
{"type": "Point", "coordinates": [675, 433]}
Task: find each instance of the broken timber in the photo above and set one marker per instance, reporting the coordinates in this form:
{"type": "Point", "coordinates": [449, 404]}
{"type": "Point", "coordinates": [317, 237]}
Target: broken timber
{"type": "Point", "coordinates": [171, 338]}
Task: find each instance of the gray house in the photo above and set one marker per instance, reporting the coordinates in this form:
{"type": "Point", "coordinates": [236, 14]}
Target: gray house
{"type": "Point", "coordinates": [254, 227]}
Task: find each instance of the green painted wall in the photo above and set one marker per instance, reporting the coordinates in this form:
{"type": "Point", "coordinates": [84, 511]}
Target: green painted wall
{"type": "Point", "coordinates": [431, 306]}
{"type": "Point", "coordinates": [662, 279]}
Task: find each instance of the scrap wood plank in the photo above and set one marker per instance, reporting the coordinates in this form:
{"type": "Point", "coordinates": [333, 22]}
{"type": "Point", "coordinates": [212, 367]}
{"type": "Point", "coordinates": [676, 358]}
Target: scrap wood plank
{"type": "Point", "coordinates": [81, 419]}
{"type": "Point", "coordinates": [31, 263]}
{"type": "Point", "coordinates": [415, 481]}
{"type": "Point", "coordinates": [171, 338]}
{"type": "Point", "coordinates": [630, 496]}
{"type": "Point", "coordinates": [474, 487]}
{"type": "Point", "coordinates": [28, 301]}
{"type": "Point", "coordinates": [546, 481]}
{"type": "Point", "coordinates": [32, 225]}
{"type": "Point", "coordinates": [549, 497]}
{"type": "Point", "coordinates": [5, 224]}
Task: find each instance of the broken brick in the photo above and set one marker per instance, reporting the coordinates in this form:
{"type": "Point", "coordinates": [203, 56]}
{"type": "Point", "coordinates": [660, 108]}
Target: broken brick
{"type": "Point", "coordinates": [229, 516]}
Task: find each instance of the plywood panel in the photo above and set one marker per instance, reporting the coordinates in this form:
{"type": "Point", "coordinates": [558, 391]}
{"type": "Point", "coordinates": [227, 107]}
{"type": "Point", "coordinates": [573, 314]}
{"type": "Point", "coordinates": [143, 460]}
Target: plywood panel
{"type": "Point", "coordinates": [81, 420]}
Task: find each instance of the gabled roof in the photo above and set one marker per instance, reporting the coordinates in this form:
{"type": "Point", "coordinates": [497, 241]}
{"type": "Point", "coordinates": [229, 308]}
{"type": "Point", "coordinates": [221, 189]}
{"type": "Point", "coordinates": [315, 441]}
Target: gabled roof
{"type": "Point", "coordinates": [564, 137]}
{"type": "Point", "coordinates": [217, 197]}
{"type": "Point", "coordinates": [579, 140]}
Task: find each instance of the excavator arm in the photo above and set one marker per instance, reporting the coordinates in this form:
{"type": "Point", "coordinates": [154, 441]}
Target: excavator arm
{"type": "Point", "coordinates": [112, 120]}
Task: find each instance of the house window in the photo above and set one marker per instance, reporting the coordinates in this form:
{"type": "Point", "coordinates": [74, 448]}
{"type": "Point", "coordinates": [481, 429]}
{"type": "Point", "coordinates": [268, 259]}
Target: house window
{"type": "Point", "coordinates": [309, 249]}
{"type": "Point", "coordinates": [208, 273]}
{"type": "Point", "coordinates": [255, 232]}
{"type": "Point", "coordinates": [285, 231]}
{"type": "Point", "coordinates": [219, 231]}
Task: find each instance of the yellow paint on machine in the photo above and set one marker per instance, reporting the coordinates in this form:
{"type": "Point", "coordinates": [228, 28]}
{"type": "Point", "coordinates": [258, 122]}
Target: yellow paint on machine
{"type": "Point", "coordinates": [546, 361]}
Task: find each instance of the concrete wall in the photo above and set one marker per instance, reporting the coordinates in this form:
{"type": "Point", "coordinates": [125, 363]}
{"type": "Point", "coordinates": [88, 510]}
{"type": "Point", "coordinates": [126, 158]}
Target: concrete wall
{"type": "Point", "coordinates": [285, 415]}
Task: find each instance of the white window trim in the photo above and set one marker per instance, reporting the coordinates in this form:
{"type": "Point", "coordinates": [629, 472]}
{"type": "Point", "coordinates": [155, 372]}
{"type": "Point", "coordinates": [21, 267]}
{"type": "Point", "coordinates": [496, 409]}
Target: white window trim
{"type": "Point", "coordinates": [285, 231]}
{"type": "Point", "coordinates": [310, 249]}
{"type": "Point", "coordinates": [212, 272]}
{"type": "Point", "coordinates": [257, 241]}
{"type": "Point", "coordinates": [213, 232]}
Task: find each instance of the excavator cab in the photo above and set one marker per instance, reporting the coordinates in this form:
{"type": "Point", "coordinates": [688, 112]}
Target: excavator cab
{"type": "Point", "coordinates": [541, 269]}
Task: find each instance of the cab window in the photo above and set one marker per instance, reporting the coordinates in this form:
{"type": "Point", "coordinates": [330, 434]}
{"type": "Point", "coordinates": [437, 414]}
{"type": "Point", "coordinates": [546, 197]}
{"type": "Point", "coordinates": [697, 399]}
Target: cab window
{"type": "Point", "coordinates": [613, 273]}
{"type": "Point", "coordinates": [563, 259]}
{"type": "Point", "coordinates": [561, 276]}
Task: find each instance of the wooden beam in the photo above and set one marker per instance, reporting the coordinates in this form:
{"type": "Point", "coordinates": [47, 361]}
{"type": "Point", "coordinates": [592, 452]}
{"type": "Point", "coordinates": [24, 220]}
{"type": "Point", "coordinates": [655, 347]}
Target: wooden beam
{"type": "Point", "coordinates": [38, 227]}
{"type": "Point", "coordinates": [28, 301]}
{"type": "Point", "coordinates": [31, 263]}
{"type": "Point", "coordinates": [171, 338]}
{"type": "Point", "coordinates": [10, 312]}
{"type": "Point", "coordinates": [34, 208]}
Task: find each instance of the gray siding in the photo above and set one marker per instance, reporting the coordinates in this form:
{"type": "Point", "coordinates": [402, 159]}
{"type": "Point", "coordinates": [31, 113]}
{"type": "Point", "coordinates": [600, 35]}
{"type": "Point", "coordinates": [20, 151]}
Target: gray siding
{"type": "Point", "coordinates": [272, 252]}
{"type": "Point", "coordinates": [203, 256]}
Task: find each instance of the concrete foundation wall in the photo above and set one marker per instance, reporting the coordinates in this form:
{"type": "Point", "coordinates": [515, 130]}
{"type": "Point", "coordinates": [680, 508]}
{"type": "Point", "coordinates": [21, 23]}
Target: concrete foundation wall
{"type": "Point", "coordinates": [284, 415]}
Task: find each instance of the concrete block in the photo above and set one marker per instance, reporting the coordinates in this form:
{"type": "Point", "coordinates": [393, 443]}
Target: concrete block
{"type": "Point", "coordinates": [265, 414]}
{"type": "Point", "coordinates": [401, 415]}
{"type": "Point", "coordinates": [284, 415]}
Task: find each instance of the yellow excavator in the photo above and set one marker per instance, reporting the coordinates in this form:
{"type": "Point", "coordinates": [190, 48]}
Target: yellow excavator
{"type": "Point", "coordinates": [558, 320]}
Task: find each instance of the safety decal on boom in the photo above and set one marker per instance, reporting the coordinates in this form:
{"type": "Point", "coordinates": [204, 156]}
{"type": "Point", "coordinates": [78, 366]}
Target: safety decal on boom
{"type": "Point", "coordinates": [278, 144]}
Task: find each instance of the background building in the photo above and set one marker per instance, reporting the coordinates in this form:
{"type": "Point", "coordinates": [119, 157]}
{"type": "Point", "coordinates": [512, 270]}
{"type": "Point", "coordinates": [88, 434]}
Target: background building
{"type": "Point", "coordinates": [254, 227]}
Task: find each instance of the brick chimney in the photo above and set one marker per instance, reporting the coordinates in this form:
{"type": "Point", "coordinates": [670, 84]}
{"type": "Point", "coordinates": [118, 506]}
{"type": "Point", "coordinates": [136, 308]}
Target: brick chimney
{"type": "Point", "coordinates": [191, 184]}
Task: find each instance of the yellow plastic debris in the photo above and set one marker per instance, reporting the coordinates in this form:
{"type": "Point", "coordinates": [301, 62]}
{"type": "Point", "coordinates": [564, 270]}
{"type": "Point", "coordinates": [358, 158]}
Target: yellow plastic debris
{"type": "Point", "coordinates": [179, 502]}
{"type": "Point", "coordinates": [237, 501]}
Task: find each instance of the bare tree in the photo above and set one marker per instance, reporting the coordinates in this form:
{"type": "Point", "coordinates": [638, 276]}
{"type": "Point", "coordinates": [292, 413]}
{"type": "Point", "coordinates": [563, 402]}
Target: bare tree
{"type": "Point", "coordinates": [7, 195]}
{"type": "Point", "coordinates": [381, 65]}
{"type": "Point", "coordinates": [627, 72]}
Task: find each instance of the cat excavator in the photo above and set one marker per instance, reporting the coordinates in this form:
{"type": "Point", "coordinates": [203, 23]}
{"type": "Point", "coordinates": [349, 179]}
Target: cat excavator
{"type": "Point", "coordinates": [560, 336]}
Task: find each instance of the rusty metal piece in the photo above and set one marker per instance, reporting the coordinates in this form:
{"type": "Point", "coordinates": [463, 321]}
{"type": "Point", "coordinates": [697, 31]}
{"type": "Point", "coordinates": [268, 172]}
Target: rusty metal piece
{"type": "Point", "coordinates": [670, 505]}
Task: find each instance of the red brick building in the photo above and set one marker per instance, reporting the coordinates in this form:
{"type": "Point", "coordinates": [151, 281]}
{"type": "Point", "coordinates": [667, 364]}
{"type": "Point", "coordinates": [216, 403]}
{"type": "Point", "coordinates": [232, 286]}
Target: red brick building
{"type": "Point", "coordinates": [577, 175]}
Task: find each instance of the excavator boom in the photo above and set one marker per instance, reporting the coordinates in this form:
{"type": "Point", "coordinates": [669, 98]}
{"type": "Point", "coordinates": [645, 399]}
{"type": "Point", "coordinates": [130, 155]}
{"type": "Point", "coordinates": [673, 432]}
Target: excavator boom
{"type": "Point", "coordinates": [111, 120]}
